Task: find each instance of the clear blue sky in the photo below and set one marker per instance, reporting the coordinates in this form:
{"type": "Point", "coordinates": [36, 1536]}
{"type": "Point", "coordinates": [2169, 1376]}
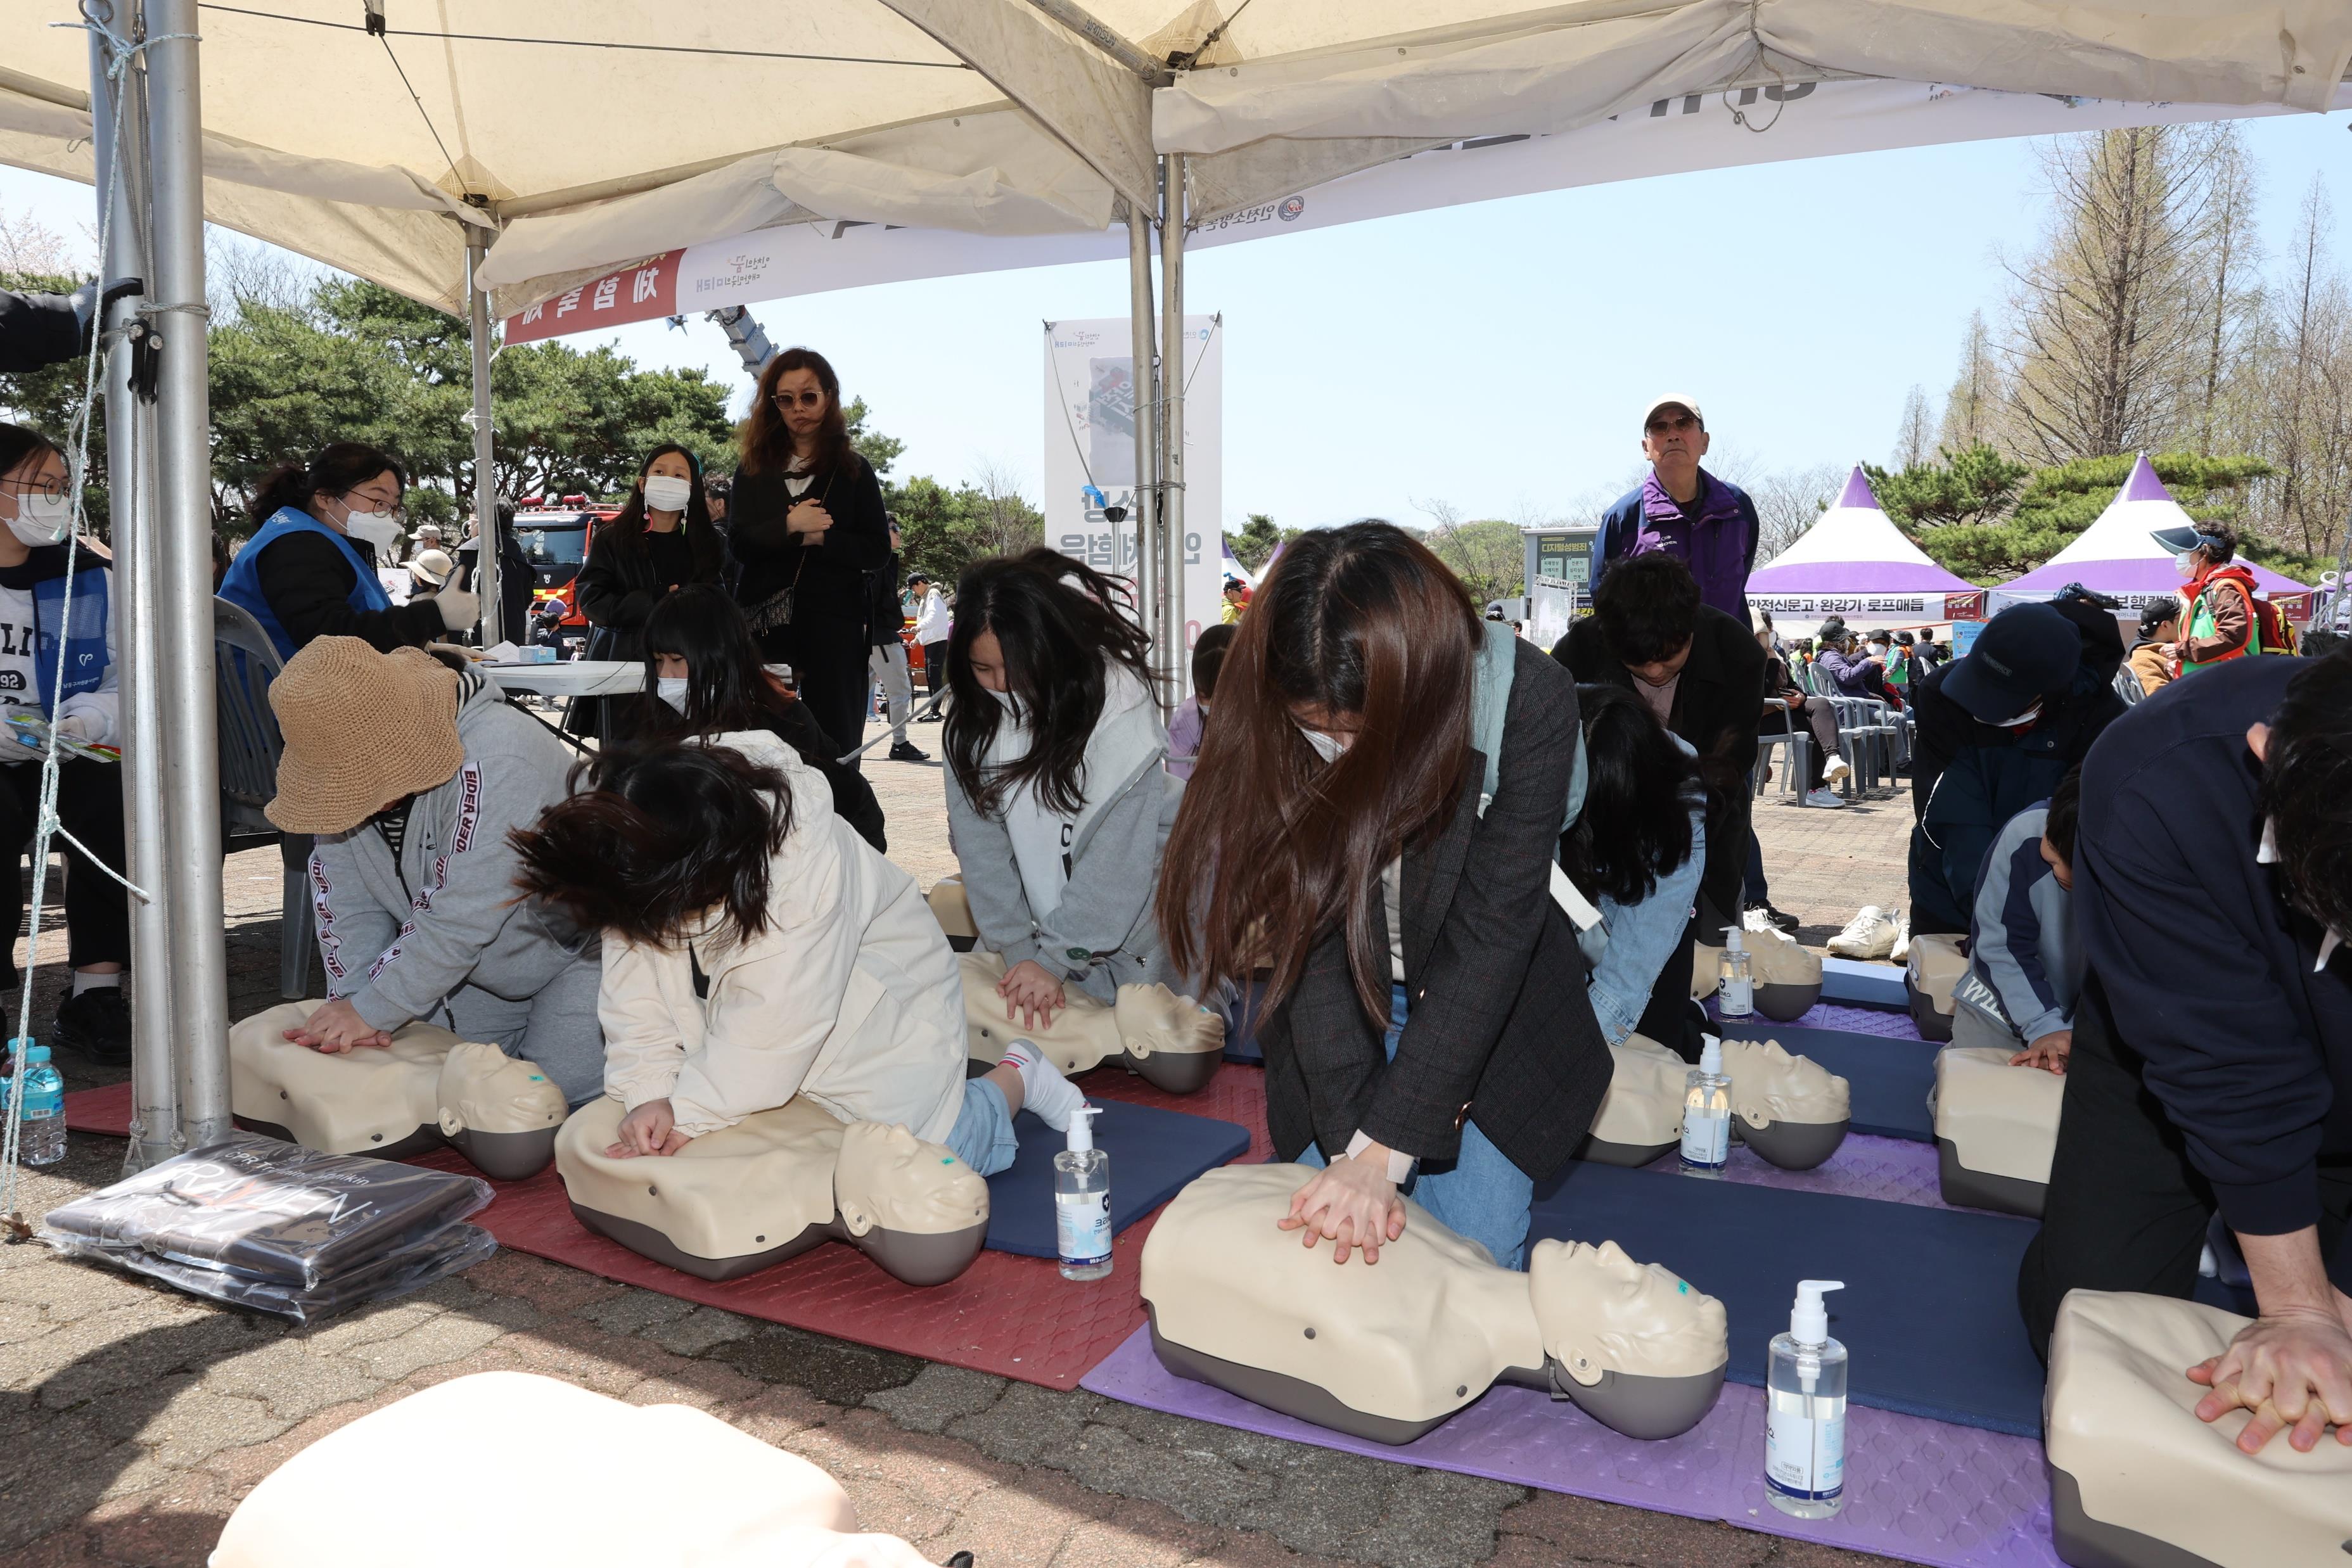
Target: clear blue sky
{"type": "Point", "coordinates": [1495, 356]}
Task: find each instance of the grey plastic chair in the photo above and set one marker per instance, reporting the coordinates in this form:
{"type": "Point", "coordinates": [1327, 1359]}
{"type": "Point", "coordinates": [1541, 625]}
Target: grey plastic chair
{"type": "Point", "coordinates": [1793, 743]}
{"type": "Point", "coordinates": [245, 661]}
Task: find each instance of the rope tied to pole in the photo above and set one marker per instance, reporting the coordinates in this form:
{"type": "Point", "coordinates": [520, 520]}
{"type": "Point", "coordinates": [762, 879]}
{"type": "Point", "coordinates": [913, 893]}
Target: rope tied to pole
{"type": "Point", "coordinates": [122, 54]}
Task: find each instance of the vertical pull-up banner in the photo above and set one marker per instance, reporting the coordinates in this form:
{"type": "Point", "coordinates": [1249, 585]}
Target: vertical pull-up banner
{"type": "Point", "coordinates": [1091, 407]}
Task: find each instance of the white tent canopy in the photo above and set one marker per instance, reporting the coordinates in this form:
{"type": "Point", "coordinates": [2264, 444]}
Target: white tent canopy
{"type": "Point", "coordinates": [594, 132]}
{"type": "Point", "coordinates": [1854, 562]}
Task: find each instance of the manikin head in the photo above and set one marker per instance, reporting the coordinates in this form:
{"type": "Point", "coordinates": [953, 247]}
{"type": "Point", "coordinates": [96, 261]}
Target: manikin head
{"type": "Point", "coordinates": [1768, 1085]}
{"type": "Point", "coordinates": [1601, 1311]}
{"type": "Point", "coordinates": [484, 1090]}
{"type": "Point", "coordinates": [1154, 1018]}
{"type": "Point", "coordinates": [888, 1177]}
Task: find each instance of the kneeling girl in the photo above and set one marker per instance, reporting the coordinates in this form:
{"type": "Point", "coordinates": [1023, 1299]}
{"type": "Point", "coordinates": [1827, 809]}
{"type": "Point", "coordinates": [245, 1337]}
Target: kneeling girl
{"type": "Point", "coordinates": [756, 949]}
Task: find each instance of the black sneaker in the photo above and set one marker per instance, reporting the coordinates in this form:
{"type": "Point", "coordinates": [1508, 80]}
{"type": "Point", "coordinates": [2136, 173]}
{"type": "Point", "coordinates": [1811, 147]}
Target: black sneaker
{"type": "Point", "coordinates": [908, 751]}
{"type": "Point", "coordinates": [1781, 918]}
{"type": "Point", "coordinates": [97, 1024]}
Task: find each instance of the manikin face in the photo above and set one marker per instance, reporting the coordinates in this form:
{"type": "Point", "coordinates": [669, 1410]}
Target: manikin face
{"type": "Point", "coordinates": [1673, 441]}
{"type": "Point", "coordinates": [1770, 1086]}
{"type": "Point", "coordinates": [1155, 1018]}
{"type": "Point", "coordinates": [891, 1178]}
{"type": "Point", "coordinates": [484, 1090]}
{"type": "Point", "coordinates": [1602, 1312]}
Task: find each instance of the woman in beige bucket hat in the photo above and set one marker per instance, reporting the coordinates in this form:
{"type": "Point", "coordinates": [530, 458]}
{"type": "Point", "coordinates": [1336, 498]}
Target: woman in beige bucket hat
{"type": "Point", "coordinates": [410, 775]}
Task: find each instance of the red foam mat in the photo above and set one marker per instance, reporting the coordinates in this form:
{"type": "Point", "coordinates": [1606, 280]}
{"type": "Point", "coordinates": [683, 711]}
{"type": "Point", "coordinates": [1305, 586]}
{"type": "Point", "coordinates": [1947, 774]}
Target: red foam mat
{"type": "Point", "coordinates": [1015, 1317]}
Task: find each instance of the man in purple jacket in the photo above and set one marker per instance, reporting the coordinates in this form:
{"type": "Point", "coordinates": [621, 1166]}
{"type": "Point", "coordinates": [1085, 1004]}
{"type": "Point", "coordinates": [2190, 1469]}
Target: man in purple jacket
{"type": "Point", "coordinates": [1686, 511]}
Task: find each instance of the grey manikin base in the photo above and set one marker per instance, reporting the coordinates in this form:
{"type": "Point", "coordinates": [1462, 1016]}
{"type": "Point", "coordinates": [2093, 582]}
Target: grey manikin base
{"type": "Point", "coordinates": [1930, 1023]}
{"type": "Point", "coordinates": [1650, 1408]}
{"type": "Point", "coordinates": [1981, 1190]}
{"type": "Point", "coordinates": [1630, 1156]}
{"type": "Point", "coordinates": [2086, 1542]}
{"type": "Point", "coordinates": [1786, 1003]}
{"type": "Point", "coordinates": [911, 1258]}
{"type": "Point", "coordinates": [508, 1156]}
{"type": "Point", "coordinates": [1792, 1145]}
{"type": "Point", "coordinates": [426, 1139]}
{"type": "Point", "coordinates": [1172, 1073]}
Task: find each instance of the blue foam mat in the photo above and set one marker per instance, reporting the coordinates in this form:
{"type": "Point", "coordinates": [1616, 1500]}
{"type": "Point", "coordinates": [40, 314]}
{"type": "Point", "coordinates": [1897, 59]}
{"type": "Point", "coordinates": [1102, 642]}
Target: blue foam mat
{"type": "Point", "coordinates": [1153, 1154]}
{"type": "Point", "coordinates": [1868, 984]}
{"type": "Point", "coordinates": [1930, 1313]}
{"type": "Point", "coordinates": [1889, 1079]}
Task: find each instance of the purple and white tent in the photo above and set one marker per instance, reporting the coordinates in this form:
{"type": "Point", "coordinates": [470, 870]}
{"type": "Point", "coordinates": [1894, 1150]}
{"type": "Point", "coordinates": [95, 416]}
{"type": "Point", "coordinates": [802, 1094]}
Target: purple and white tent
{"type": "Point", "coordinates": [1855, 562]}
{"type": "Point", "coordinates": [2119, 554]}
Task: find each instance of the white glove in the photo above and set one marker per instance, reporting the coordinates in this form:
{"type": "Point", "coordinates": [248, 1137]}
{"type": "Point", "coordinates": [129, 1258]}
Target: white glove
{"type": "Point", "coordinates": [459, 609]}
{"type": "Point", "coordinates": [74, 726]}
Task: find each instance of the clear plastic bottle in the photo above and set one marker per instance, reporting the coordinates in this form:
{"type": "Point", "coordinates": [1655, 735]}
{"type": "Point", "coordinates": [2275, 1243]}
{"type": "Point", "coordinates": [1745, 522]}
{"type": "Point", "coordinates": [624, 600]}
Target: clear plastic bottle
{"type": "Point", "coordinates": [1707, 1112]}
{"type": "Point", "coordinates": [1735, 972]}
{"type": "Point", "coordinates": [1805, 1415]}
{"type": "Point", "coordinates": [1082, 1201]}
{"type": "Point", "coordinates": [42, 1139]}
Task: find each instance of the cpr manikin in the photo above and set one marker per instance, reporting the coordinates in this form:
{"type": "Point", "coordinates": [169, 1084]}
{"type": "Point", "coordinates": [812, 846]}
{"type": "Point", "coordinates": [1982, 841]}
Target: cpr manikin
{"type": "Point", "coordinates": [1172, 1042]}
{"type": "Point", "coordinates": [1787, 977]}
{"type": "Point", "coordinates": [1934, 966]}
{"type": "Point", "coordinates": [1388, 1351]}
{"type": "Point", "coordinates": [511, 1467]}
{"type": "Point", "coordinates": [774, 1184]}
{"type": "Point", "coordinates": [952, 910]}
{"type": "Point", "coordinates": [1790, 1109]}
{"type": "Point", "coordinates": [2138, 1481]}
{"type": "Point", "coordinates": [1996, 1129]}
{"type": "Point", "coordinates": [426, 1089]}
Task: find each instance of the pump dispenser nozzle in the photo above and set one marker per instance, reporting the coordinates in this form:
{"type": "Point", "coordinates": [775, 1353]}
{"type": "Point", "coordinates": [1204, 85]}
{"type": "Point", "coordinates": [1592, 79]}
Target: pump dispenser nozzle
{"type": "Point", "coordinates": [1732, 942]}
{"type": "Point", "coordinates": [1082, 1126]}
{"type": "Point", "coordinates": [1808, 1318]}
{"type": "Point", "coordinates": [1710, 1055]}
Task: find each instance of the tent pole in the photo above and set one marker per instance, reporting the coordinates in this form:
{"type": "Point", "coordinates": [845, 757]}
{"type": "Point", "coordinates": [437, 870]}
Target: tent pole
{"type": "Point", "coordinates": [486, 478]}
{"type": "Point", "coordinates": [1173, 642]}
{"type": "Point", "coordinates": [131, 495]}
{"type": "Point", "coordinates": [183, 574]}
{"type": "Point", "coordinates": [1147, 404]}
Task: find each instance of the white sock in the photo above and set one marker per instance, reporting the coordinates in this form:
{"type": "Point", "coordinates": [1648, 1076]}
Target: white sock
{"type": "Point", "coordinates": [84, 982]}
{"type": "Point", "coordinates": [1042, 1088]}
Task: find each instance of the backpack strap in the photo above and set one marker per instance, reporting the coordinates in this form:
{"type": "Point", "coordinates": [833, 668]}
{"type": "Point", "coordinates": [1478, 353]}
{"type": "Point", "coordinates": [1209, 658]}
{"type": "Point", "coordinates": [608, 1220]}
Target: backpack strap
{"type": "Point", "coordinates": [1497, 657]}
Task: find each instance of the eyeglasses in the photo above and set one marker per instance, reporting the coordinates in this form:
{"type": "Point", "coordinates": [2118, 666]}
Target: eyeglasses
{"type": "Point", "coordinates": [363, 500]}
{"type": "Point", "coordinates": [805, 400]}
{"type": "Point", "coordinates": [55, 489]}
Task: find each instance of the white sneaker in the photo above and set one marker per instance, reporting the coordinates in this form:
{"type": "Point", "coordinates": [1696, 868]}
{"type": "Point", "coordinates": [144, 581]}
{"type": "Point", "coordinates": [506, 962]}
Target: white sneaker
{"type": "Point", "coordinates": [1902, 948]}
{"type": "Point", "coordinates": [1835, 767]}
{"type": "Point", "coordinates": [1869, 934]}
{"type": "Point", "coordinates": [1825, 795]}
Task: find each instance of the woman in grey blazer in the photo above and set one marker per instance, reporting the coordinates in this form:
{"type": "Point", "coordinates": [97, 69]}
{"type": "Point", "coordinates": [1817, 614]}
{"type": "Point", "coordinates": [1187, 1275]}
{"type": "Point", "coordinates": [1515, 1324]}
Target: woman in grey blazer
{"type": "Point", "coordinates": [1427, 1029]}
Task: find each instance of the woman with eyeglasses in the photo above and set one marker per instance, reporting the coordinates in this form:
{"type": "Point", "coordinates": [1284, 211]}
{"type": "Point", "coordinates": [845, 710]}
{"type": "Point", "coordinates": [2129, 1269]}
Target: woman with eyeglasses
{"type": "Point", "coordinates": [808, 525]}
{"type": "Point", "coordinates": [662, 541]}
{"type": "Point", "coordinates": [311, 571]}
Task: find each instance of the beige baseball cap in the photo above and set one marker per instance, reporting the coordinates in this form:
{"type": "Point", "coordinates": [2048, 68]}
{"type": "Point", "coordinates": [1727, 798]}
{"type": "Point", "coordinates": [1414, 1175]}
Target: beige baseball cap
{"type": "Point", "coordinates": [1670, 400]}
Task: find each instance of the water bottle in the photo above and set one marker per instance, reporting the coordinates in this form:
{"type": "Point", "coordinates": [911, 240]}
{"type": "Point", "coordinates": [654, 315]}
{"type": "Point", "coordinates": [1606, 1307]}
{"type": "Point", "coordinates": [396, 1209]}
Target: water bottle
{"type": "Point", "coordinates": [41, 1141]}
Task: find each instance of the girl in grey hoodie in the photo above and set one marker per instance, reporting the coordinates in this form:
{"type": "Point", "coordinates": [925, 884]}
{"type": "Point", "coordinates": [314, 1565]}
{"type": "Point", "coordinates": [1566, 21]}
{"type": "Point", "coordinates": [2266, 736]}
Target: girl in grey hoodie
{"type": "Point", "coordinates": [1057, 801]}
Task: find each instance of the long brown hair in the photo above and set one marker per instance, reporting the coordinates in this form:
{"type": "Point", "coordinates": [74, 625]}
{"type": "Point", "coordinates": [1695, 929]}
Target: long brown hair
{"type": "Point", "coordinates": [702, 541]}
{"type": "Point", "coordinates": [1272, 847]}
{"type": "Point", "coordinates": [767, 444]}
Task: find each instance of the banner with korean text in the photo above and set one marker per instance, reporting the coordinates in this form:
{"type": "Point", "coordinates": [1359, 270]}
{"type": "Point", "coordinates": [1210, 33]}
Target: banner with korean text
{"type": "Point", "coordinates": [1090, 413]}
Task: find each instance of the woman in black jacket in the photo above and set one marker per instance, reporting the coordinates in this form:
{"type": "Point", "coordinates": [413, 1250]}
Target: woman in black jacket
{"type": "Point", "coordinates": [1426, 1003]}
{"type": "Point", "coordinates": [807, 526]}
{"type": "Point", "coordinates": [662, 541]}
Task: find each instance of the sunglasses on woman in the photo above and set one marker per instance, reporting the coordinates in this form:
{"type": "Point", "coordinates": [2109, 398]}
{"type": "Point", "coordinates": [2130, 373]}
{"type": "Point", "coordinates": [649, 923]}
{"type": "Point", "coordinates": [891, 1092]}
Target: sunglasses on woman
{"type": "Point", "coordinates": [805, 400]}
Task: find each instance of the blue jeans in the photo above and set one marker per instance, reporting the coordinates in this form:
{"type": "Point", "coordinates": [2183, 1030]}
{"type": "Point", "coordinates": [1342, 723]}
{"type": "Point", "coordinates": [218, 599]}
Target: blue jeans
{"type": "Point", "coordinates": [983, 1135]}
{"type": "Point", "coordinates": [1482, 1194]}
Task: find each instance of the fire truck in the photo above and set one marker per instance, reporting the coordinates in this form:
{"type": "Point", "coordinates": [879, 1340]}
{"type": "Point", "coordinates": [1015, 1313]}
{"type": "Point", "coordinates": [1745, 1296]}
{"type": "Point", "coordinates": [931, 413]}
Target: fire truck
{"type": "Point", "coordinates": [555, 532]}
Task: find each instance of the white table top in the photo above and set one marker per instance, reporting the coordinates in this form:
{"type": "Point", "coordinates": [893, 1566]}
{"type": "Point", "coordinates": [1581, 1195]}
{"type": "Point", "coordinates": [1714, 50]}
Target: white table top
{"type": "Point", "coordinates": [570, 678]}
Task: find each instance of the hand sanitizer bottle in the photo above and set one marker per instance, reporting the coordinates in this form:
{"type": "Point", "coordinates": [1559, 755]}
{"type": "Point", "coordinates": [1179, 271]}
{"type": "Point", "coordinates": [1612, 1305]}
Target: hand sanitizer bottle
{"type": "Point", "coordinates": [1082, 1200]}
{"type": "Point", "coordinates": [1804, 1416]}
{"type": "Point", "coordinates": [1706, 1111]}
{"type": "Point", "coordinates": [1734, 992]}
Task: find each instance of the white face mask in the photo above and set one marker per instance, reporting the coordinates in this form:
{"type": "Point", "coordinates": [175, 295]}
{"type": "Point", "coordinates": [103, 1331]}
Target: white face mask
{"type": "Point", "coordinates": [664, 494]}
{"type": "Point", "coordinates": [671, 689]}
{"type": "Point", "coordinates": [41, 520]}
{"type": "Point", "coordinates": [2028, 717]}
{"type": "Point", "coordinates": [1006, 700]}
{"type": "Point", "coordinates": [1327, 747]}
{"type": "Point", "coordinates": [2182, 564]}
{"type": "Point", "coordinates": [375, 528]}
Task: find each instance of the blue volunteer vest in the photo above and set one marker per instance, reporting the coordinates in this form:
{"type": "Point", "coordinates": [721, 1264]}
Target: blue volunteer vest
{"type": "Point", "coordinates": [242, 586]}
{"type": "Point", "coordinates": [75, 630]}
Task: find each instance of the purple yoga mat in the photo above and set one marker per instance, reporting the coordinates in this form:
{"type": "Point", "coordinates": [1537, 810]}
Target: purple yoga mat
{"type": "Point", "coordinates": [1880, 1022]}
{"type": "Point", "coordinates": [1952, 1497]}
{"type": "Point", "coordinates": [1893, 1170]}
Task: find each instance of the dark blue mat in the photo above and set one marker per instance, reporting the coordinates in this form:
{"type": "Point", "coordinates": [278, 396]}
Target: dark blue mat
{"type": "Point", "coordinates": [1153, 1154]}
{"type": "Point", "coordinates": [1868, 984]}
{"type": "Point", "coordinates": [1889, 1079]}
{"type": "Point", "coordinates": [1929, 1314]}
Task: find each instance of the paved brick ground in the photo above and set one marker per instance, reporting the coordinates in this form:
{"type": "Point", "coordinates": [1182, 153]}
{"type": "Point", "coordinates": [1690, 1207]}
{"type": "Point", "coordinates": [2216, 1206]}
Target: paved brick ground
{"type": "Point", "coordinates": [139, 1417]}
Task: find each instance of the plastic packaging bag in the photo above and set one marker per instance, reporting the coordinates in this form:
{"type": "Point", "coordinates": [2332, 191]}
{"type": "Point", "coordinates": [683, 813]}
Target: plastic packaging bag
{"type": "Point", "coordinates": [275, 1226]}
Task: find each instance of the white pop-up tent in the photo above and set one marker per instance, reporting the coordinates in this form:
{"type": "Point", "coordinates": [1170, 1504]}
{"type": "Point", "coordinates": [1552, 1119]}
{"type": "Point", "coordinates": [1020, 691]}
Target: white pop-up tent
{"type": "Point", "coordinates": [449, 147]}
{"type": "Point", "coordinates": [1855, 562]}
